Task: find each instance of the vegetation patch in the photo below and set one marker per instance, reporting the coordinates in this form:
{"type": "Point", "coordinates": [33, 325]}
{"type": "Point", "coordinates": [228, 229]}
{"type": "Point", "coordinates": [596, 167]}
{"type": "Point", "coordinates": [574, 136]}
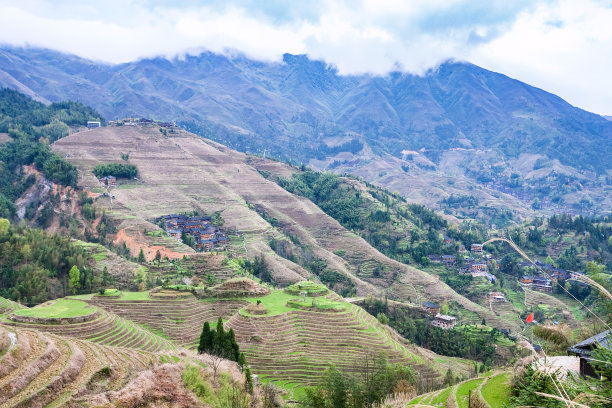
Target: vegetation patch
{"type": "Point", "coordinates": [317, 304]}
{"type": "Point", "coordinates": [109, 293]}
{"type": "Point", "coordinates": [309, 288]}
{"type": "Point", "coordinates": [61, 308]}
{"type": "Point", "coordinates": [496, 392]}
{"type": "Point", "coordinates": [118, 170]}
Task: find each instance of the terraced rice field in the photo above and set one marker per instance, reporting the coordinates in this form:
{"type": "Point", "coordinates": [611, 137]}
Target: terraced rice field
{"type": "Point", "coordinates": [297, 346]}
{"type": "Point", "coordinates": [494, 390]}
{"type": "Point", "coordinates": [8, 306]}
{"type": "Point", "coordinates": [44, 369]}
{"type": "Point", "coordinates": [93, 324]}
{"type": "Point", "coordinates": [180, 320]}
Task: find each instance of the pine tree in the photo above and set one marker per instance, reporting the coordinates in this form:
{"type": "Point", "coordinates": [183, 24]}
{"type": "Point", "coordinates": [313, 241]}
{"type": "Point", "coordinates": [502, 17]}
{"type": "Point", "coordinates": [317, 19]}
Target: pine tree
{"type": "Point", "coordinates": [232, 346]}
{"type": "Point", "coordinates": [242, 362]}
{"type": "Point", "coordinates": [248, 383]}
{"type": "Point", "coordinates": [206, 339]}
{"type": "Point", "coordinates": [141, 256]}
{"type": "Point", "coordinates": [219, 340]}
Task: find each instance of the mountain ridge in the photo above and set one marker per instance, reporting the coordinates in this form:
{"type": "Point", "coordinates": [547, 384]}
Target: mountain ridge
{"type": "Point", "coordinates": [304, 111]}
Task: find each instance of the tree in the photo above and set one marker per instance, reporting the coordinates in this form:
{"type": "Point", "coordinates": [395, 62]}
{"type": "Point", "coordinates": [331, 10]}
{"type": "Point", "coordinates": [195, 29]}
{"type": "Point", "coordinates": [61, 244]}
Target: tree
{"type": "Point", "coordinates": [206, 339]}
{"type": "Point", "coordinates": [444, 308]}
{"type": "Point", "coordinates": [449, 378]}
{"type": "Point", "coordinates": [141, 256]}
{"type": "Point", "coordinates": [74, 279]}
{"type": "Point", "coordinates": [242, 362]}
{"type": "Point", "coordinates": [4, 227]}
{"type": "Point", "coordinates": [157, 257]}
{"type": "Point", "coordinates": [105, 277]}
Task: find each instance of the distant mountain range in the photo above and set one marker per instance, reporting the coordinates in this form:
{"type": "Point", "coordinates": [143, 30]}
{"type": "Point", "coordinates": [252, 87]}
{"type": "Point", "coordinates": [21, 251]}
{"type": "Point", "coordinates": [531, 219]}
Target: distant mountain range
{"type": "Point", "coordinates": [457, 121]}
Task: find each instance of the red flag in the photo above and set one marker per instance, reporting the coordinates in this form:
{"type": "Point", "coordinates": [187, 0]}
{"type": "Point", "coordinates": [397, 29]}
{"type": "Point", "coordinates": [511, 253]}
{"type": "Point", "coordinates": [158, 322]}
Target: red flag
{"type": "Point", "coordinates": [529, 318]}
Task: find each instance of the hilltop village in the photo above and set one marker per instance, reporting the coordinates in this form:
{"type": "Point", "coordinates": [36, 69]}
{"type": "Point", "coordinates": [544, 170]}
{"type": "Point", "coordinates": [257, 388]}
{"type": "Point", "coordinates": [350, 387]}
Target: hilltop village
{"type": "Point", "coordinates": [481, 265]}
{"type": "Point", "coordinates": [196, 231]}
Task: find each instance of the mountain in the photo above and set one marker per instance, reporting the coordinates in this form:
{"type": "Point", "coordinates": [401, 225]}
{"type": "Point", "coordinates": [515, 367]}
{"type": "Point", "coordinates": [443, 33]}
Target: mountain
{"type": "Point", "coordinates": [459, 129]}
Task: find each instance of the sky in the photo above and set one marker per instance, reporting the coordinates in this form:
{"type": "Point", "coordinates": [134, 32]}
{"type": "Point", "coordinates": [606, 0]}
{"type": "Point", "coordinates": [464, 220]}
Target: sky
{"type": "Point", "coordinates": [562, 46]}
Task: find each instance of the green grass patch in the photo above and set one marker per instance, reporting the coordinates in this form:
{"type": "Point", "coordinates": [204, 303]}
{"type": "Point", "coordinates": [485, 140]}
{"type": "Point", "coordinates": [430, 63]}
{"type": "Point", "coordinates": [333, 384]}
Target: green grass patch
{"type": "Point", "coordinates": [61, 308]}
{"type": "Point", "coordinates": [441, 397]}
{"type": "Point", "coordinates": [310, 288]}
{"type": "Point", "coordinates": [135, 295]}
{"type": "Point", "coordinates": [110, 292]}
{"type": "Point", "coordinates": [88, 296]}
{"type": "Point", "coordinates": [275, 302]}
{"type": "Point", "coordinates": [496, 391]}
{"type": "Point", "coordinates": [462, 392]}
{"type": "Point", "coordinates": [315, 303]}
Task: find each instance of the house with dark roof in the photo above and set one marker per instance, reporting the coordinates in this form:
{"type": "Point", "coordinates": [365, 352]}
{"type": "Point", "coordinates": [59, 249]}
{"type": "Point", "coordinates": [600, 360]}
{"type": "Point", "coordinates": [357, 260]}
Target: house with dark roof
{"type": "Point", "coordinates": [585, 347]}
{"type": "Point", "coordinates": [476, 248]}
{"type": "Point", "coordinates": [435, 258]}
{"type": "Point", "coordinates": [449, 260]}
{"type": "Point", "coordinates": [431, 308]}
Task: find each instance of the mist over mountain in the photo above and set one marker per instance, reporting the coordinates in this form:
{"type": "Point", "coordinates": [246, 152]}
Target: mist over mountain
{"type": "Point", "coordinates": [458, 121]}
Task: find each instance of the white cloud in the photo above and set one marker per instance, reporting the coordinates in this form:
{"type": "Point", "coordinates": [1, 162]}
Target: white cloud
{"type": "Point", "coordinates": [562, 46]}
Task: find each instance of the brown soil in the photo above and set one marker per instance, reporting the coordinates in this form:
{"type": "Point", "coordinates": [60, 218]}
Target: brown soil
{"type": "Point", "coordinates": [138, 242]}
{"type": "Point", "coordinates": [256, 309]}
{"type": "Point", "coordinates": [159, 387]}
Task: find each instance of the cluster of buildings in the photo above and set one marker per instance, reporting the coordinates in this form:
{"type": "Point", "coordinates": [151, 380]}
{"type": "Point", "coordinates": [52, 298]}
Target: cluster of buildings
{"type": "Point", "coordinates": [439, 320]}
{"type": "Point", "coordinates": [470, 265]}
{"type": "Point", "coordinates": [534, 280]}
{"type": "Point", "coordinates": [140, 122]}
{"type": "Point", "coordinates": [206, 236]}
{"type": "Point", "coordinates": [110, 181]}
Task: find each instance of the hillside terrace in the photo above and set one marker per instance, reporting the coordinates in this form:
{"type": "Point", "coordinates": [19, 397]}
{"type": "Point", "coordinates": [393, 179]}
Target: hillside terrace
{"type": "Point", "coordinates": [206, 236]}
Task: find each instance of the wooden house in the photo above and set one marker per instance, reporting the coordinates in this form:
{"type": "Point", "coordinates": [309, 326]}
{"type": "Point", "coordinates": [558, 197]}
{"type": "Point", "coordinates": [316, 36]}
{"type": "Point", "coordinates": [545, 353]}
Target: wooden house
{"type": "Point", "coordinates": [431, 308]}
{"type": "Point", "coordinates": [585, 347]}
{"type": "Point", "coordinates": [444, 321]}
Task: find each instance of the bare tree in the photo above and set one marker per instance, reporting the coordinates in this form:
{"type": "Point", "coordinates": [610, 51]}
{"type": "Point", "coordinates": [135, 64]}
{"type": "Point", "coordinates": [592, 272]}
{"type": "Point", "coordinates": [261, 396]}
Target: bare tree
{"type": "Point", "coordinates": [214, 362]}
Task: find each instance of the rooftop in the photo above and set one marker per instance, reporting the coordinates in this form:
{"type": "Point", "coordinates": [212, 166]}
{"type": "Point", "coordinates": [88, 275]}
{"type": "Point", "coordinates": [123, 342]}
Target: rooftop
{"type": "Point", "coordinates": [604, 339]}
{"type": "Point", "coordinates": [446, 317]}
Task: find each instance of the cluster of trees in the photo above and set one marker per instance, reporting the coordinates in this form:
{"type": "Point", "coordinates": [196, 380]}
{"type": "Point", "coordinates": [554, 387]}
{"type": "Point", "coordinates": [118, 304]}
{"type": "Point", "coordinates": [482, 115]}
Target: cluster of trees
{"type": "Point", "coordinates": [35, 266]}
{"type": "Point", "coordinates": [405, 232]}
{"type": "Point", "coordinates": [257, 267]}
{"type": "Point", "coordinates": [468, 343]}
{"type": "Point", "coordinates": [376, 380]}
{"type": "Point", "coordinates": [119, 170]}
{"type": "Point", "coordinates": [32, 126]}
{"type": "Point", "coordinates": [220, 343]}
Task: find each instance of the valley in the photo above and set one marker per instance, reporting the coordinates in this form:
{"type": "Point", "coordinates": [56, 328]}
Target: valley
{"type": "Point", "coordinates": [314, 275]}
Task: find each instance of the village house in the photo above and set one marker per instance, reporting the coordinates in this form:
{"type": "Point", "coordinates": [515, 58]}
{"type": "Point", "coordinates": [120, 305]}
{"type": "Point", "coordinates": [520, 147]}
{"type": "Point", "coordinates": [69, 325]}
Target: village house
{"type": "Point", "coordinates": [496, 297]}
{"type": "Point", "coordinates": [444, 321]}
{"type": "Point", "coordinates": [206, 236]}
{"type": "Point", "coordinates": [449, 260]}
{"type": "Point", "coordinates": [536, 283]}
{"type": "Point", "coordinates": [435, 258]}
{"type": "Point", "coordinates": [477, 248]}
{"type": "Point", "coordinates": [447, 240]}
{"type": "Point", "coordinates": [110, 181]}
{"type": "Point", "coordinates": [431, 308]}
{"type": "Point", "coordinates": [584, 348]}
{"type": "Point", "coordinates": [93, 124]}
